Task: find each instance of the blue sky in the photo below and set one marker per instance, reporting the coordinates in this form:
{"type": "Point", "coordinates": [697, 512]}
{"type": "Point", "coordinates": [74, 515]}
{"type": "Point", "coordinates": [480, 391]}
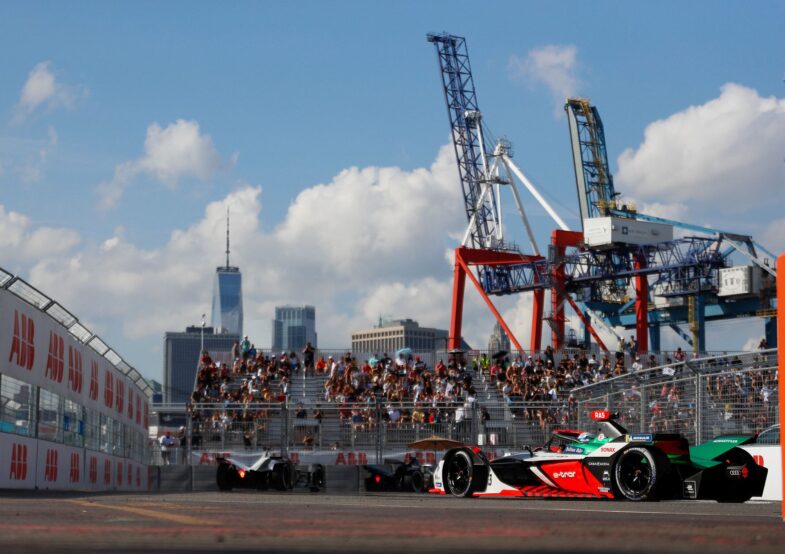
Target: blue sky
{"type": "Point", "coordinates": [292, 95]}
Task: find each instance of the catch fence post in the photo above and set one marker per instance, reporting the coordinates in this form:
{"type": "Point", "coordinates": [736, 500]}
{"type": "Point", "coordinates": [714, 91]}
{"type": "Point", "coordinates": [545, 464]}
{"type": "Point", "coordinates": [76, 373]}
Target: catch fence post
{"type": "Point", "coordinates": [379, 431]}
{"type": "Point", "coordinates": [189, 427]}
{"type": "Point", "coordinates": [475, 427]}
{"type": "Point", "coordinates": [285, 427]}
{"type": "Point", "coordinates": [643, 427]}
{"type": "Point", "coordinates": [698, 408]}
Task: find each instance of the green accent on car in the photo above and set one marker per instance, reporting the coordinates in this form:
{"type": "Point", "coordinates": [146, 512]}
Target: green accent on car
{"type": "Point", "coordinates": [704, 455]}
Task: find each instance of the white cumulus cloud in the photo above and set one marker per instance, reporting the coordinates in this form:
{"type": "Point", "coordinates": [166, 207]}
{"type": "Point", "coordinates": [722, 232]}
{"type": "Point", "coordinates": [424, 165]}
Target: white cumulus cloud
{"type": "Point", "coordinates": [22, 243]}
{"type": "Point", "coordinates": [43, 90]}
{"type": "Point", "coordinates": [370, 239]}
{"type": "Point", "coordinates": [554, 66]}
{"type": "Point", "coordinates": [171, 153]}
{"type": "Point", "coordinates": [722, 156]}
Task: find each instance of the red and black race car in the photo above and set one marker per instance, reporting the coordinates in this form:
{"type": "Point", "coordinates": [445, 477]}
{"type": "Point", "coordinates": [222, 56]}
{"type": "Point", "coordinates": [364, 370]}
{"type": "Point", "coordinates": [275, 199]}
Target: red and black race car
{"type": "Point", "coordinates": [612, 464]}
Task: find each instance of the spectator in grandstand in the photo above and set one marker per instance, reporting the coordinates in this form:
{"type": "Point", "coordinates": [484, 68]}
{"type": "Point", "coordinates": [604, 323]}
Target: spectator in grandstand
{"type": "Point", "coordinates": [308, 355]}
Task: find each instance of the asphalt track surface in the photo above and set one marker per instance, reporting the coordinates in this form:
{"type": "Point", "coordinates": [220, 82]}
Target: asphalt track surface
{"type": "Point", "coordinates": [245, 521]}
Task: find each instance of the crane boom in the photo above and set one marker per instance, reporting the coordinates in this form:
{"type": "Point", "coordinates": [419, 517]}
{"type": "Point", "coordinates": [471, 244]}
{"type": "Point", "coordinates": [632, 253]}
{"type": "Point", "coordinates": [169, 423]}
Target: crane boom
{"type": "Point", "coordinates": [471, 152]}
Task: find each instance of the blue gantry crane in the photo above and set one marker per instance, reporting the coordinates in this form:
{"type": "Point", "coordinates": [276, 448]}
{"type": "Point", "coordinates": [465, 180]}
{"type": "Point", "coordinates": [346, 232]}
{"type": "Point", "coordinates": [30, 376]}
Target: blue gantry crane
{"type": "Point", "coordinates": [593, 270]}
{"type": "Point", "coordinates": [695, 278]}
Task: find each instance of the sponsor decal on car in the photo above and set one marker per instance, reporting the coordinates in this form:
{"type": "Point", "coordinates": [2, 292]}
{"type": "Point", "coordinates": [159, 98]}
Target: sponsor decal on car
{"type": "Point", "coordinates": [690, 490]}
{"type": "Point", "coordinates": [598, 463]}
{"type": "Point", "coordinates": [569, 449]}
{"type": "Point", "coordinates": [740, 472]}
{"type": "Point", "coordinates": [640, 437]}
{"type": "Point", "coordinates": [564, 475]}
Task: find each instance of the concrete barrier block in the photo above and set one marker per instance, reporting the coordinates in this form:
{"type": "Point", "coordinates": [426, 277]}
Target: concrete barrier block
{"type": "Point", "coordinates": [342, 479]}
{"type": "Point", "coordinates": [175, 478]}
{"type": "Point", "coordinates": [203, 478]}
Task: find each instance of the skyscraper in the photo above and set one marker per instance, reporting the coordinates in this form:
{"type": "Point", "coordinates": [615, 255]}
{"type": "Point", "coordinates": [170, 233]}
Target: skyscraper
{"type": "Point", "coordinates": [499, 339]}
{"type": "Point", "coordinates": [228, 296]}
{"type": "Point", "coordinates": [181, 358]}
{"type": "Point", "coordinates": [293, 326]}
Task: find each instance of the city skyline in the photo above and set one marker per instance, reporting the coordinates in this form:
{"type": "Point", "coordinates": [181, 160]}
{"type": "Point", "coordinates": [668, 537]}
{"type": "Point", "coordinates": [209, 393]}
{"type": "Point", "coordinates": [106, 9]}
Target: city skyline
{"type": "Point", "coordinates": [121, 152]}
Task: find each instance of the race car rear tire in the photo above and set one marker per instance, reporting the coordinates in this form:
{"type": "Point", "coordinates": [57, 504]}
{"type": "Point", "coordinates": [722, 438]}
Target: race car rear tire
{"type": "Point", "coordinates": [282, 476]}
{"type": "Point", "coordinates": [459, 473]}
{"type": "Point", "coordinates": [639, 474]}
{"type": "Point", "coordinates": [414, 482]}
{"type": "Point", "coordinates": [317, 477]}
{"type": "Point", "coordinates": [225, 476]}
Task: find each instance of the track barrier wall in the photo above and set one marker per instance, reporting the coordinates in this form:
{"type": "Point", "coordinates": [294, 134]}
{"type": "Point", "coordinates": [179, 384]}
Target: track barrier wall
{"type": "Point", "coordinates": [73, 414]}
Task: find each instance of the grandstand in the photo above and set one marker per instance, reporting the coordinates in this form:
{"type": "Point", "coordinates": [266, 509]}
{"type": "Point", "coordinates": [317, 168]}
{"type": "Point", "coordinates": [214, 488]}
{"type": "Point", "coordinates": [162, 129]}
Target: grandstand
{"type": "Point", "coordinates": [274, 402]}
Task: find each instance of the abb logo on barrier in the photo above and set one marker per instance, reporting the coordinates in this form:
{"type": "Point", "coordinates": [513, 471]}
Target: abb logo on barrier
{"type": "Point", "coordinates": [107, 472]}
{"type": "Point", "coordinates": [75, 369]}
{"type": "Point", "coordinates": [55, 362]}
{"type": "Point", "coordinates": [18, 462]}
{"type": "Point", "coordinates": [23, 341]}
{"type": "Point", "coordinates": [94, 386]}
{"type": "Point", "coordinates": [93, 470]}
{"type": "Point", "coordinates": [73, 475]}
{"type": "Point", "coordinates": [119, 395]}
{"type": "Point", "coordinates": [108, 389]}
{"type": "Point", "coordinates": [50, 469]}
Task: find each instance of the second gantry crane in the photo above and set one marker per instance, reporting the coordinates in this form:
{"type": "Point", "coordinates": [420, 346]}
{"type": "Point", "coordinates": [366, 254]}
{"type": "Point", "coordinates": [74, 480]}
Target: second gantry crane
{"type": "Point", "coordinates": [597, 265]}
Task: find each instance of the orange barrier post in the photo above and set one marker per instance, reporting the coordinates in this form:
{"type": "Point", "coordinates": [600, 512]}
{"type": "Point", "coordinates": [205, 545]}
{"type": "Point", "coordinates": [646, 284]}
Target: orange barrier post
{"type": "Point", "coordinates": [781, 359]}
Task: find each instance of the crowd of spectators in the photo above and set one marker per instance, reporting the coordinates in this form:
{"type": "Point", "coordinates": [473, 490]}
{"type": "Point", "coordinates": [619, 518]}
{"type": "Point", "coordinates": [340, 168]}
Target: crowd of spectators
{"type": "Point", "coordinates": [403, 389]}
{"type": "Point", "coordinates": [398, 390]}
{"type": "Point", "coordinates": [244, 387]}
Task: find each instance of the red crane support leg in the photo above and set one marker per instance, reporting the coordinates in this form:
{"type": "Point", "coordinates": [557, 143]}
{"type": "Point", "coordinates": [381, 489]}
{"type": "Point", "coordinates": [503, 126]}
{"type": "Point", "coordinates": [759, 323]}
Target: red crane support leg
{"type": "Point", "coordinates": [538, 309]}
{"type": "Point", "coordinates": [560, 240]}
{"type": "Point", "coordinates": [641, 307]}
{"type": "Point", "coordinates": [493, 309]}
{"type": "Point", "coordinates": [456, 318]}
{"type": "Point", "coordinates": [557, 303]}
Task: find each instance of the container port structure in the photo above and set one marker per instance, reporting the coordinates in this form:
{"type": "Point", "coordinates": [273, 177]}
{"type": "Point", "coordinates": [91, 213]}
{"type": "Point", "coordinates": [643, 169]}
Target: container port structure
{"type": "Point", "coordinates": [622, 269]}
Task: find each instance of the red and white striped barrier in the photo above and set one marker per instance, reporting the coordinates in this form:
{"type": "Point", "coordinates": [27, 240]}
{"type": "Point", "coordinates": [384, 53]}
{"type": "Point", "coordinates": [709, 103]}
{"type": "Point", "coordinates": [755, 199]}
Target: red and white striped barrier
{"type": "Point", "coordinates": [27, 463]}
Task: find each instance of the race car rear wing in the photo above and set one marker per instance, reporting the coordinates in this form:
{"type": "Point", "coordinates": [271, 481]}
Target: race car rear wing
{"type": "Point", "coordinates": [608, 425]}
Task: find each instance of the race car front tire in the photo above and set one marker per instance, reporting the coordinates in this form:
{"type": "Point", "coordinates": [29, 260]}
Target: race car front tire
{"type": "Point", "coordinates": [639, 474]}
{"type": "Point", "coordinates": [458, 474]}
{"type": "Point", "coordinates": [282, 476]}
{"type": "Point", "coordinates": [225, 476]}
